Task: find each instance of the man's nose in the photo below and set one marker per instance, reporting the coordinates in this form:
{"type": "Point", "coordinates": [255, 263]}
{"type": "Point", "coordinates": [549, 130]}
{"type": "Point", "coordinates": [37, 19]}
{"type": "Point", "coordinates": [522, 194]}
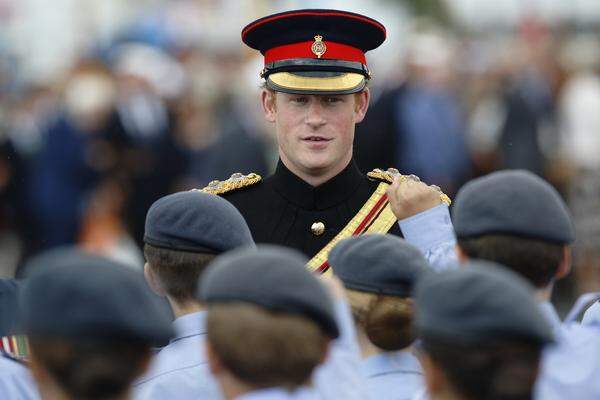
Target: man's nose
{"type": "Point", "coordinates": [315, 116]}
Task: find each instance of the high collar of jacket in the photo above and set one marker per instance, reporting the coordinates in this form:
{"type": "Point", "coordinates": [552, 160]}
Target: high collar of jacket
{"type": "Point", "coordinates": [328, 194]}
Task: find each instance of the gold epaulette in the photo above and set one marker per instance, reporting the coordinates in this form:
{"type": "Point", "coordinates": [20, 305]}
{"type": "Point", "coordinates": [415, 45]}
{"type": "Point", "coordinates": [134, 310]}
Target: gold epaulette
{"type": "Point", "coordinates": [389, 174]}
{"type": "Point", "coordinates": [386, 176]}
{"type": "Point", "coordinates": [235, 182]}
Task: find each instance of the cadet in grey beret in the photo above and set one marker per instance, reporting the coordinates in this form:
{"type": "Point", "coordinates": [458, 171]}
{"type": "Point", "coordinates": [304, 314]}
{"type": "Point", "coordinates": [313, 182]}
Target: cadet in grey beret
{"type": "Point", "coordinates": [518, 220]}
{"type": "Point", "coordinates": [378, 264]}
{"type": "Point", "coordinates": [478, 302]}
{"type": "Point", "coordinates": [515, 202]}
{"type": "Point", "coordinates": [379, 273]}
{"type": "Point", "coordinates": [264, 305]}
{"type": "Point", "coordinates": [90, 296]}
{"type": "Point", "coordinates": [91, 323]}
{"type": "Point", "coordinates": [197, 222]}
{"type": "Point", "coordinates": [273, 277]}
{"type": "Point", "coordinates": [185, 231]}
{"type": "Point", "coordinates": [481, 329]}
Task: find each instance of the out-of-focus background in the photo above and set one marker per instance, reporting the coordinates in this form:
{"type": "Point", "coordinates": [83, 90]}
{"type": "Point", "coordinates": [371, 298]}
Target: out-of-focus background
{"type": "Point", "coordinates": [107, 105]}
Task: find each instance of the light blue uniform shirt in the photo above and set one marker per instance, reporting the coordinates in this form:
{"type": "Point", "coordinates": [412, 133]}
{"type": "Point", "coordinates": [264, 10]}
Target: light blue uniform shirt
{"type": "Point", "coordinates": [571, 367]}
{"type": "Point", "coordinates": [340, 376]}
{"type": "Point", "coordinates": [393, 375]}
{"type": "Point", "coordinates": [180, 369]}
{"type": "Point", "coordinates": [432, 232]}
{"type": "Point", "coordinates": [16, 381]}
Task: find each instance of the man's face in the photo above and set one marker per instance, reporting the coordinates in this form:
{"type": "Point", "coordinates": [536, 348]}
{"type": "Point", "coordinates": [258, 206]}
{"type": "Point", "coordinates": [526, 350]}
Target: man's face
{"type": "Point", "coordinates": [315, 132]}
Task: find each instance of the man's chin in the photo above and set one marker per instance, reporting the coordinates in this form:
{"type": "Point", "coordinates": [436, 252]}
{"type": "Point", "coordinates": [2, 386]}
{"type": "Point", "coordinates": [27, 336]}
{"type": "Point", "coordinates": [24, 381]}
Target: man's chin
{"type": "Point", "coordinates": [317, 167]}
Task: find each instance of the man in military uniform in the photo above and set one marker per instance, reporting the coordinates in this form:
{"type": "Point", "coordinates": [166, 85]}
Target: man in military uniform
{"type": "Point", "coordinates": [315, 92]}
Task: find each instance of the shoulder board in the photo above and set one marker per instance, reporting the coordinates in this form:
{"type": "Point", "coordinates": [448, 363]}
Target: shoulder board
{"type": "Point", "coordinates": [385, 176]}
{"type": "Point", "coordinates": [235, 182]}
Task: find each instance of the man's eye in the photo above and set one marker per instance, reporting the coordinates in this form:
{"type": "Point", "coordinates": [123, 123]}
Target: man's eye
{"type": "Point", "coordinates": [299, 100]}
{"type": "Point", "coordinates": [332, 100]}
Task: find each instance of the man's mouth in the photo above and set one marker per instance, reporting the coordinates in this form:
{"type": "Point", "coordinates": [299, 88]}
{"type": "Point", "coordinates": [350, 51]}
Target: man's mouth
{"type": "Point", "coordinates": [316, 139]}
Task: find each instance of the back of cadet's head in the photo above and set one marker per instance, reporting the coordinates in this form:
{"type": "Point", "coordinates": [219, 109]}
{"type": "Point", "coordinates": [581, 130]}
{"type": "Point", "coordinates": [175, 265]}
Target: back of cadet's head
{"type": "Point", "coordinates": [185, 231]}
{"type": "Point", "coordinates": [480, 327]}
{"type": "Point", "coordinates": [91, 323]}
{"type": "Point", "coordinates": [516, 219]}
{"type": "Point", "coordinates": [269, 320]}
{"type": "Point", "coordinates": [379, 272]}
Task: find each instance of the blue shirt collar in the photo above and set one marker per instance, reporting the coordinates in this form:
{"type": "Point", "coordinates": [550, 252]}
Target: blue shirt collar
{"type": "Point", "coordinates": [391, 362]}
{"type": "Point", "coordinates": [187, 325]}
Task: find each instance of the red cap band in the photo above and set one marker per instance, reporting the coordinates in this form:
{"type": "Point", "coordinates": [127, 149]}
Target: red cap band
{"type": "Point", "coordinates": [334, 51]}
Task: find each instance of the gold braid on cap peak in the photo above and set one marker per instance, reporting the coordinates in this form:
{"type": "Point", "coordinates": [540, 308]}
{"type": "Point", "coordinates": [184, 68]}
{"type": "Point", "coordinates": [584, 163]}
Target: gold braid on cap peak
{"type": "Point", "coordinates": [389, 174]}
{"type": "Point", "coordinates": [235, 182]}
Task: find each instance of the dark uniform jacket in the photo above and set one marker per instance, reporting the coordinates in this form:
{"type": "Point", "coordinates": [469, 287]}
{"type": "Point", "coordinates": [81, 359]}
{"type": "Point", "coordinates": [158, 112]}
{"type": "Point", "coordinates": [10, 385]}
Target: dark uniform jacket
{"type": "Point", "coordinates": [282, 208]}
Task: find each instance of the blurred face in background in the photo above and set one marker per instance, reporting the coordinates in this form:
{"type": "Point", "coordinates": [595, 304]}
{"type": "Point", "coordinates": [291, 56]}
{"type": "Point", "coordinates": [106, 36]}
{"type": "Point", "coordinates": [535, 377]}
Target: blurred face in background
{"type": "Point", "coordinates": [89, 97]}
{"type": "Point", "coordinates": [315, 132]}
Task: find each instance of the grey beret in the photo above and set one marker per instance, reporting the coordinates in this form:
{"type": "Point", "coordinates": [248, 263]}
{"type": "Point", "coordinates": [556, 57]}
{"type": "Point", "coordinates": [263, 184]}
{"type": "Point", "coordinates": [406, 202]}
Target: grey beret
{"type": "Point", "coordinates": [197, 222]}
{"type": "Point", "coordinates": [382, 264]}
{"type": "Point", "coordinates": [513, 202]}
{"type": "Point", "coordinates": [272, 277]}
{"type": "Point", "coordinates": [479, 302]}
{"type": "Point", "coordinates": [84, 296]}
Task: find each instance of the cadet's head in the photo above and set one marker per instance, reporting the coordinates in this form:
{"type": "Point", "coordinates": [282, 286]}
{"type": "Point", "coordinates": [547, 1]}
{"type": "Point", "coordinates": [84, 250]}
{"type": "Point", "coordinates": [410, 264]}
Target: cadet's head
{"type": "Point", "coordinates": [91, 324]}
{"type": "Point", "coordinates": [481, 333]}
{"type": "Point", "coordinates": [269, 320]}
{"type": "Point", "coordinates": [316, 78]}
{"type": "Point", "coordinates": [378, 272]}
{"type": "Point", "coordinates": [184, 232]}
{"type": "Point", "coordinates": [518, 220]}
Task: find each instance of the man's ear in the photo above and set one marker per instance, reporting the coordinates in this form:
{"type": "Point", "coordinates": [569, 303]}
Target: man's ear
{"type": "Point", "coordinates": [565, 264]}
{"type": "Point", "coordinates": [460, 254]}
{"type": "Point", "coordinates": [153, 281]}
{"type": "Point", "coordinates": [268, 99]}
{"type": "Point", "coordinates": [361, 105]}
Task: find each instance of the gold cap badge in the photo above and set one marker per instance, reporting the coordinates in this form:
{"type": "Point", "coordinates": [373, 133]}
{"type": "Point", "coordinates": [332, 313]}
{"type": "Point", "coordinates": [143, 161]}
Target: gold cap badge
{"type": "Point", "coordinates": [318, 47]}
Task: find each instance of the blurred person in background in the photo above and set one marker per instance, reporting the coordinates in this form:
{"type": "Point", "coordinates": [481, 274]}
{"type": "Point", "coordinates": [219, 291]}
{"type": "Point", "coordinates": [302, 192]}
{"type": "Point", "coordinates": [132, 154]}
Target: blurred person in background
{"type": "Point", "coordinates": [528, 135]}
{"type": "Point", "coordinates": [379, 273]}
{"type": "Point", "coordinates": [13, 211]}
{"type": "Point", "coordinates": [74, 155]}
{"type": "Point", "coordinates": [419, 126]}
{"type": "Point", "coordinates": [31, 112]}
{"type": "Point", "coordinates": [149, 82]}
{"type": "Point", "coordinates": [208, 133]}
{"type": "Point", "coordinates": [580, 140]}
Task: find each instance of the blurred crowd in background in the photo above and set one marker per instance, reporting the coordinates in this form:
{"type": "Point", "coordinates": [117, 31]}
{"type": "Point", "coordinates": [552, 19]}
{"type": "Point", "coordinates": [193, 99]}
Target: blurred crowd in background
{"type": "Point", "coordinates": [107, 106]}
